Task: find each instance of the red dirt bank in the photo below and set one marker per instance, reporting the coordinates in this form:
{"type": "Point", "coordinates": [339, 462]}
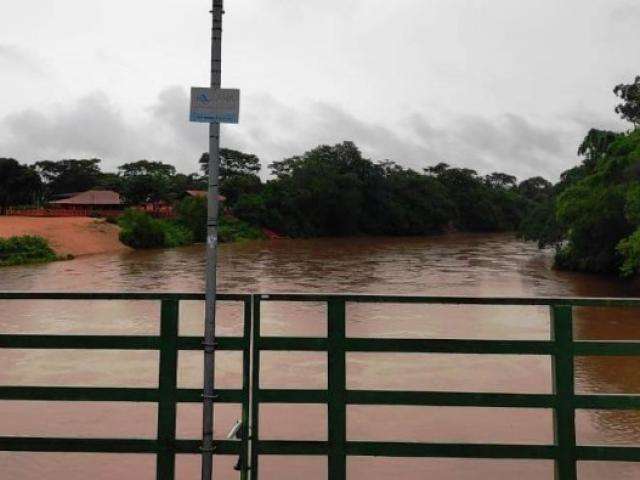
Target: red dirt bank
{"type": "Point", "coordinates": [75, 235]}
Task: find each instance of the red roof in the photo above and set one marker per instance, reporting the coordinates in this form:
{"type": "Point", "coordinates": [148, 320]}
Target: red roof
{"type": "Point", "coordinates": [92, 197]}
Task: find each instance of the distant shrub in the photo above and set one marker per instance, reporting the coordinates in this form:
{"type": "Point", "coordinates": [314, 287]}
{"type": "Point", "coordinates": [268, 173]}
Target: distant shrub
{"type": "Point", "coordinates": [26, 249]}
{"type": "Point", "coordinates": [175, 235]}
{"type": "Point", "coordinates": [141, 231]}
{"type": "Point", "coordinates": [192, 214]}
{"type": "Point", "coordinates": [250, 208]}
{"type": "Point", "coordinates": [232, 229]}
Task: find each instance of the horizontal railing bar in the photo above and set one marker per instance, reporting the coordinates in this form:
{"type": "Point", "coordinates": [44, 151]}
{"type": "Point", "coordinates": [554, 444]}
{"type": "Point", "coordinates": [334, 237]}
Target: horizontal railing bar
{"type": "Point", "coordinates": [118, 296]}
{"type": "Point", "coordinates": [192, 395]}
{"type": "Point", "coordinates": [398, 449]}
{"type": "Point", "coordinates": [402, 345]}
{"type": "Point", "coordinates": [80, 394]}
{"type": "Point", "coordinates": [110, 342]}
{"type": "Point", "coordinates": [608, 348]}
{"type": "Point", "coordinates": [614, 454]}
{"type": "Point", "coordinates": [292, 396]}
{"type": "Point", "coordinates": [292, 344]}
{"type": "Point", "coordinates": [98, 394]}
{"type": "Point", "coordinates": [95, 445]}
{"type": "Point", "coordinates": [221, 447]}
{"type": "Point", "coordinates": [222, 343]}
{"type": "Point", "coordinates": [497, 301]}
{"type": "Point", "coordinates": [84, 445]}
{"type": "Point", "coordinates": [607, 402]}
{"type": "Point", "coordinates": [286, 447]}
{"type": "Point", "coordinates": [79, 342]}
{"type": "Point", "coordinates": [450, 399]}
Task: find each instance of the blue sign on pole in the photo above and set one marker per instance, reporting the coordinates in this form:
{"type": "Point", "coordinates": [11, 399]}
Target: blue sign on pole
{"type": "Point", "coordinates": [220, 105]}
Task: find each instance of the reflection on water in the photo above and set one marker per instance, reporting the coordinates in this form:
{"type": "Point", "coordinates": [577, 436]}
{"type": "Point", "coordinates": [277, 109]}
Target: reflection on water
{"type": "Point", "coordinates": [469, 265]}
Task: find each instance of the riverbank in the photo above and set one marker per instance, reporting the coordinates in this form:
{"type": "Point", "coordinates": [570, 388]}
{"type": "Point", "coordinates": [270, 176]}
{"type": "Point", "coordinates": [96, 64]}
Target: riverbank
{"type": "Point", "coordinates": [67, 236]}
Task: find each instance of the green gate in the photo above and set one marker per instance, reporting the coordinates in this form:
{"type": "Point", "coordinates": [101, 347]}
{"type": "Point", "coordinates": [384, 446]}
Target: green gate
{"type": "Point", "coordinates": [561, 347]}
{"type": "Point", "coordinates": [167, 395]}
{"type": "Point", "coordinates": [337, 448]}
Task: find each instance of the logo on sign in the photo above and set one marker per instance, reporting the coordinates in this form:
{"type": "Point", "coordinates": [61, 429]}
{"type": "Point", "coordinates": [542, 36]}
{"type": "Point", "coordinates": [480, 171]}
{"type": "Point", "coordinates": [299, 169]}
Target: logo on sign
{"type": "Point", "coordinates": [215, 105]}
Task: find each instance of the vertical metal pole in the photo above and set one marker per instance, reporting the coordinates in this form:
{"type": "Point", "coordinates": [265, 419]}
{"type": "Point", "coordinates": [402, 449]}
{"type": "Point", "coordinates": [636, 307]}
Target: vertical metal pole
{"type": "Point", "coordinates": [213, 208]}
{"type": "Point", "coordinates": [337, 390]}
{"type": "Point", "coordinates": [563, 373]}
{"type": "Point", "coordinates": [167, 385]}
{"type": "Point", "coordinates": [255, 388]}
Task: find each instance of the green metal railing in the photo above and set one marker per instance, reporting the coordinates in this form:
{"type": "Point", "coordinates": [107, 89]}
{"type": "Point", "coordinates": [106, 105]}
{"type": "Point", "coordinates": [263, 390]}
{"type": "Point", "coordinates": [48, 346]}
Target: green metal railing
{"type": "Point", "coordinates": [563, 400]}
{"type": "Point", "coordinates": [167, 395]}
{"type": "Point", "coordinates": [561, 347]}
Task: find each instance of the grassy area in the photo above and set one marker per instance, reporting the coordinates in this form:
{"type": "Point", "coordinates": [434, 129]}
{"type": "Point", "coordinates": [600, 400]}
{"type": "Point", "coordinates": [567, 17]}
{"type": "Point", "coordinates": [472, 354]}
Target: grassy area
{"type": "Point", "coordinates": [25, 250]}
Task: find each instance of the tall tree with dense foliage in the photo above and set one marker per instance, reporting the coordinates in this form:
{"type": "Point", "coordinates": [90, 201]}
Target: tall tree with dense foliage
{"type": "Point", "coordinates": [19, 184]}
{"type": "Point", "coordinates": [593, 216]}
{"type": "Point", "coordinates": [239, 174]}
{"type": "Point", "coordinates": [69, 176]}
{"type": "Point", "coordinates": [333, 190]}
{"type": "Point", "coordinates": [629, 109]}
{"type": "Point", "coordinates": [145, 181]}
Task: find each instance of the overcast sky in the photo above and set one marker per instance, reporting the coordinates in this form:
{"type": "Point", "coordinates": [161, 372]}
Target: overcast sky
{"type": "Point", "coordinates": [487, 84]}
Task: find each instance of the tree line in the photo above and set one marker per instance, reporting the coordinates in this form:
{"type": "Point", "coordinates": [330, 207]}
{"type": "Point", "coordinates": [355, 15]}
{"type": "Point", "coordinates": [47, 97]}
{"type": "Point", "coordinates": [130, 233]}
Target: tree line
{"type": "Point", "coordinates": [591, 216]}
{"type": "Point", "coordinates": [327, 191]}
{"type": "Point", "coordinates": [138, 182]}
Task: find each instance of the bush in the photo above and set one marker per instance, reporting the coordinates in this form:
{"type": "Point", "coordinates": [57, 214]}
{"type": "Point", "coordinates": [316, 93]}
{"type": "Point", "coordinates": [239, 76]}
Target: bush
{"type": "Point", "coordinates": [140, 231]}
{"type": "Point", "coordinates": [232, 230]}
{"type": "Point", "coordinates": [192, 215]}
{"type": "Point", "coordinates": [629, 248]}
{"type": "Point", "coordinates": [26, 249]}
{"type": "Point", "coordinates": [250, 208]}
{"type": "Point", "coordinates": [175, 235]}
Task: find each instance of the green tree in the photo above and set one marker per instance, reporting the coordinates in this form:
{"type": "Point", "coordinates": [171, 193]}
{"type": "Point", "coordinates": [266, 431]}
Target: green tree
{"type": "Point", "coordinates": [69, 176]}
{"type": "Point", "coordinates": [145, 181]}
{"type": "Point", "coordinates": [19, 184]}
{"type": "Point", "coordinates": [192, 214]}
{"type": "Point", "coordinates": [501, 180]}
{"type": "Point", "coordinates": [629, 109]}
{"type": "Point", "coordinates": [595, 147]}
{"type": "Point", "coordinates": [238, 174]}
{"type": "Point", "coordinates": [233, 162]}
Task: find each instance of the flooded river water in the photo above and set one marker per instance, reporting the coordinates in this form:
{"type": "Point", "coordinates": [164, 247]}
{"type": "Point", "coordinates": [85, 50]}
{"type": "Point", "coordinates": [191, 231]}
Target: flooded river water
{"type": "Point", "coordinates": [467, 265]}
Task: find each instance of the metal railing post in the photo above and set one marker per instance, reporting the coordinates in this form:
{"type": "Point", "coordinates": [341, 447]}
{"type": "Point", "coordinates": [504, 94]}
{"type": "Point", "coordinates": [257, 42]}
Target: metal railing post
{"type": "Point", "coordinates": [563, 385]}
{"type": "Point", "coordinates": [246, 388]}
{"type": "Point", "coordinates": [337, 389]}
{"type": "Point", "coordinates": [167, 386]}
{"type": "Point", "coordinates": [255, 388]}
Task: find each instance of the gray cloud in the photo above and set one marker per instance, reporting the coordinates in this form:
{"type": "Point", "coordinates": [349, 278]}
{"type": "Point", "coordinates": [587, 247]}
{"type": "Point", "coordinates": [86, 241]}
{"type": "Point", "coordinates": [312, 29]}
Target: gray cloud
{"type": "Point", "coordinates": [94, 126]}
{"type": "Point", "coordinates": [508, 143]}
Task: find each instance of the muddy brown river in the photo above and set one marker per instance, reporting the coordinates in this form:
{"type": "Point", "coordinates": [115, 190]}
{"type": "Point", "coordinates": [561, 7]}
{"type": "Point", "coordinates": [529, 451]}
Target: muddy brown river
{"type": "Point", "coordinates": [468, 265]}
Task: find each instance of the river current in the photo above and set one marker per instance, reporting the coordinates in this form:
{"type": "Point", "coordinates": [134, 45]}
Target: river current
{"type": "Point", "coordinates": [459, 264]}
